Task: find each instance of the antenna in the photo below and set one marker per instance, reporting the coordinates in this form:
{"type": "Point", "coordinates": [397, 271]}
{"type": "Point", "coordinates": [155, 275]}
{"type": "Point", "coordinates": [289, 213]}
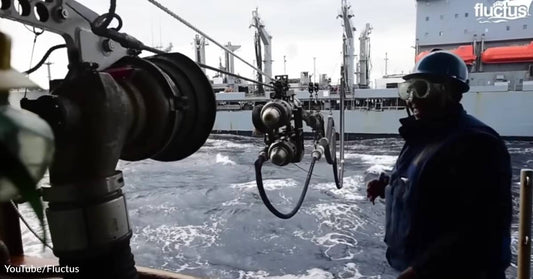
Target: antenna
{"type": "Point", "coordinates": [314, 69]}
{"type": "Point", "coordinates": [284, 65]}
{"type": "Point", "coordinates": [386, 63]}
{"type": "Point", "coordinates": [48, 63]}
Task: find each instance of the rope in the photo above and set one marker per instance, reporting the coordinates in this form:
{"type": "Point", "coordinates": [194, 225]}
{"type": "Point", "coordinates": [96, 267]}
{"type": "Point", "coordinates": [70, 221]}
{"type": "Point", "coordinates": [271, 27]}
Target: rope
{"type": "Point", "coordinates": [304, 170]}
{"type": "Point", "coordinates": [169, 12]}
{"type": "Point", "coordinates": [231, 74]}
{"type": "Point", "coordinates": [32, 49]}
{"type": "Point", "coordinates": [29, 227]}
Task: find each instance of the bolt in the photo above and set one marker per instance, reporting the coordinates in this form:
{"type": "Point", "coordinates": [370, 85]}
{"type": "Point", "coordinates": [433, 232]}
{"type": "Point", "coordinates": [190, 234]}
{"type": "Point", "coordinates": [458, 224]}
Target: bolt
{"type": "Point", "coordinates": [108, 45]}
{"type": "Point", "coordinates": [63, 13]}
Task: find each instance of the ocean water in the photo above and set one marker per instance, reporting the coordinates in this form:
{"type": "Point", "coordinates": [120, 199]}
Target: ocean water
{"type": "Point", "coordinates": [203, 216]}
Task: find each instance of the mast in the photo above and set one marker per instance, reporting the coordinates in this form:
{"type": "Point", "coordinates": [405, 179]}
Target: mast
{"type": "Point", "coordinates": [265, 38]}
{"type": "Point", "coordinates": [230, 62]}
{"type": "Point", "coordinates": [348, 45]}
{"type": "Point", "coordinates": [199, 49]}
{"type": "Point", "coordinates": [386, 63]}
{"type": "Point", "coordinates": [364, 57]}
{"type": "Point", "coordinates": [48, 64]}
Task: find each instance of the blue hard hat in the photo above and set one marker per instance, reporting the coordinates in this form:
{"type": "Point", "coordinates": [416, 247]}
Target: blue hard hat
{"type": "Point", "coordinates": [442, 66]}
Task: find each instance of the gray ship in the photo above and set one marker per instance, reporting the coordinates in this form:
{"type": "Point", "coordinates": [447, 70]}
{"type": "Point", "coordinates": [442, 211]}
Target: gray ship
{"type": "Point", "coordinates": [494, 38]}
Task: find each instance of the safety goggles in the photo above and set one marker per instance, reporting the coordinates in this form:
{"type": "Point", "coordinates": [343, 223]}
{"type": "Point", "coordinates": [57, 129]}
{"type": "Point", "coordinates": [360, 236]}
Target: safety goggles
{"type": "Point", "coordinates": [418, 88]}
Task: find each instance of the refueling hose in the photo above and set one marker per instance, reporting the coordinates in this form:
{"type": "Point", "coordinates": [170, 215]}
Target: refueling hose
{"type": "Point", "coordinates": [336, 175]}
{"type": "Point", "coordinates": [259, 179]}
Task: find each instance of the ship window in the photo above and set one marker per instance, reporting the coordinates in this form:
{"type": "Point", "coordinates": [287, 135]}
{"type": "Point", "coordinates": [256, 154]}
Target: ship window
{"type": "Point", "coordinates": [441, 17]}
{"type": "Point", "coordinates": [508, 28]}
{"type": "Point", "coordinates": [456, 15]}
{"type": "Point", "coordinates": [441, 33]}
{"type": "Point", "coordinates": [466, 31]}
{"type": "Point", "coordinates": [524, 26]}
{"type": "Point", "coordinates": [466, 14]}
{"type": "Point", "coordinates": [426, 34]}
{"type": "Point", "coordinates": [427, 18]}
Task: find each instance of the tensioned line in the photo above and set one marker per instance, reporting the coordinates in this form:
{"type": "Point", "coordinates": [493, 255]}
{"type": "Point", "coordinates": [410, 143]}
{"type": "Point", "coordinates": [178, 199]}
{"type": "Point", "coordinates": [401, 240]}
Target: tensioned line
{"type": "Point", "coordinates": [169, 12]}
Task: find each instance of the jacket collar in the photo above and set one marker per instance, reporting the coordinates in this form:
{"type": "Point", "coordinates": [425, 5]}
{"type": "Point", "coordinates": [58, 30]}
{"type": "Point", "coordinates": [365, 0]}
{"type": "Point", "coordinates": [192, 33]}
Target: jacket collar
{"type": "Point", "coordinates": [425, 130]}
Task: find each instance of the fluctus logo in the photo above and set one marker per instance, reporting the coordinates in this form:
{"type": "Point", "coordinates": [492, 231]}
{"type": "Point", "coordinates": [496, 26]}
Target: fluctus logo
{"type": "Point", "coordinates": [501, 11]}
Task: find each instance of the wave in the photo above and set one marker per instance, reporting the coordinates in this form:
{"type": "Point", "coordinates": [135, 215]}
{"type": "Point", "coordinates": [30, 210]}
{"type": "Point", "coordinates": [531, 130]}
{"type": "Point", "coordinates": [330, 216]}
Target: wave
{"type": "Point", "coordinates": [349, 190]}
{"type": "Point", "coordinates": [313, 273]}
{"type": "Point", "coordinates": [388, 160]}
{"type": "Point", "coordinates": [227, 144]}
{"type": "Point", "coordinates": [172, 238]}
{"type": "Point", "coordinates": [269, 184]}
{"type": "Point", "coordinates": [224, 160]}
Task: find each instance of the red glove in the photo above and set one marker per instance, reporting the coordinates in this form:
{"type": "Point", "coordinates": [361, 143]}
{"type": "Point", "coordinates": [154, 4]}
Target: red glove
{"type": "Point", "coordinates": [376, 188]}
{"type": "Point", "coordinates": [409, 273]}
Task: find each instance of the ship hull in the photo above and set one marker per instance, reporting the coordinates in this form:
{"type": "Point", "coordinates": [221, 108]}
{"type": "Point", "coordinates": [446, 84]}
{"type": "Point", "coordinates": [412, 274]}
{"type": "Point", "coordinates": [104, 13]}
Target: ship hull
{"type": "Point", "coordinates": [508, 113]}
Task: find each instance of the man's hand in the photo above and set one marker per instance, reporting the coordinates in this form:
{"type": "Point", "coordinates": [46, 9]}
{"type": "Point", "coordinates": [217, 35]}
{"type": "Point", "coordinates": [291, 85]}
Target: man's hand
{"type": "Point", "coordinates": [409, 273]}
{"type": "Point", "coordinates": [376, 188]}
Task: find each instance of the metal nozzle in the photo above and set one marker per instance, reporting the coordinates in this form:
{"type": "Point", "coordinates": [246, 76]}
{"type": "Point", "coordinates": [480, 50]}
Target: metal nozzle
{"type": "Point", "coordinates": [279, 156]}
{"type": "Point", "coordinates": [271, 117]}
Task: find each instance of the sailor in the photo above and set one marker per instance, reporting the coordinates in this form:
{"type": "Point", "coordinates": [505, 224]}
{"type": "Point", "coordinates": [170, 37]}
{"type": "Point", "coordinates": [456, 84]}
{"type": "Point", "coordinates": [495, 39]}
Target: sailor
{"type": "Point", "coordinates": [448, 199]}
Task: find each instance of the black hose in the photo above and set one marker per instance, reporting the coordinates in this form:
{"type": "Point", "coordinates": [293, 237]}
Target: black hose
{"type": "Point", "coordinates": [110, 15]}
{"type": "Point", "coordinates": [46, 55]}
{"type": "Point", "coordinates": [336, 174]}
{"type": "Point", "coordinates": [259, 179]}
{"type": "Point", "coordinates": [330, 147]}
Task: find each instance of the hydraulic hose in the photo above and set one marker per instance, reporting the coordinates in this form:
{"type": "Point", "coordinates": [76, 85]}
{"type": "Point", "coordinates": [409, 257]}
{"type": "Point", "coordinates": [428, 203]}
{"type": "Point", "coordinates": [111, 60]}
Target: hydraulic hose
{"type": "Point", "coordinates": [336, 175]}
{"type": "Point", "coordinates": [259, 179]}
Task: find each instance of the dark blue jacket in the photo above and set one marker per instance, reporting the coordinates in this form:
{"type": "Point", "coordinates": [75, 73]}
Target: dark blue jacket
{"type": "Point", "coordinates": [449, 202]}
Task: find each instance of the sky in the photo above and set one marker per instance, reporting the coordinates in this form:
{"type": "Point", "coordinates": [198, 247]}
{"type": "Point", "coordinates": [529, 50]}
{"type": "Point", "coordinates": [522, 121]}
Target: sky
{"type": "Point", "coordinates": [301, 29]}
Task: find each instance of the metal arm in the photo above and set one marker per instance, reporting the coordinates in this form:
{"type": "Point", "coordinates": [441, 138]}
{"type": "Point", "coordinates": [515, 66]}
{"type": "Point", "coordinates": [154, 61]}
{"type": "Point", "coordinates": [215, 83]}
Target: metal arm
{"type": "Point", "coordinates": [364, 57]}
{"type": "Point", "coordinates": [266, 40]}
{"type": "Point", "coordinates": [72, 21]}
{"type": "Point", "coordinates": [348, 48]}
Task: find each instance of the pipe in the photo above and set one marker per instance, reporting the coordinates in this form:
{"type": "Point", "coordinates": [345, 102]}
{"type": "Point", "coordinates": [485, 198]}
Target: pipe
{"type": "Point", "coordinates": [481, 50]}
{"type": "Point", "coordinates": [524, 232]}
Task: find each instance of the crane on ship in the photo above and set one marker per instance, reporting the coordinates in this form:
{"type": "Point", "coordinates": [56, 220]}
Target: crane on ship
{"type": "Point", "coordinates": [199, 49]}
{"type": "Point", "coordinates": [264, 38]}
{"type": "Point", "coordinates": [348, 45]}
{"type": "Point", "coordinates": [364, 57]}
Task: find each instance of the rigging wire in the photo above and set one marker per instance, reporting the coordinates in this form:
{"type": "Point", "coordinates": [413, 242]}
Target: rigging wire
{"type": "Point", "coordinates": [304, 170]}
{"type": "Point", "coordinates": [29, 227]}
{"type": "Point", "coordinates": [45, 57]}
{"type": "Point", "coordinates": [130, 42]}
{"type": "Point", "coordinates": [234, 75]}
{"type": "Point", "coordinates": [172, 14]}
{"type": "Point", "coordinates": [37, 34]}
{"type": "Point", "coordinates": [157, 51]}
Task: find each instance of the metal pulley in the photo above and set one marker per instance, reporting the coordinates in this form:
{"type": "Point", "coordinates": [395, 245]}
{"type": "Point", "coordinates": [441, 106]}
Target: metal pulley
{"type": "Point", "coordinates": [282, 152]}
{"type": "Point", "coordinates": [174, 106]}
{"type": "Point", "coordinates": [276, 113]}
{"type": "Point", "coordinates": [166, 101]}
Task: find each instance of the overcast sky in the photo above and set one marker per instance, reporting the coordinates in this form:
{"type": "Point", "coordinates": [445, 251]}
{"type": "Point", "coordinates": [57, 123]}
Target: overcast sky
{"type": "Point", "coordinates": [301, 30]}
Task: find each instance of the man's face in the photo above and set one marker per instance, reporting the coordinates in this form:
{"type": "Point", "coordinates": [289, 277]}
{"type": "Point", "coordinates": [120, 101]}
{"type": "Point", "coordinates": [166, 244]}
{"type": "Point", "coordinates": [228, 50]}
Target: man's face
{"type": "Point", "coordinates": [427, 100]}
